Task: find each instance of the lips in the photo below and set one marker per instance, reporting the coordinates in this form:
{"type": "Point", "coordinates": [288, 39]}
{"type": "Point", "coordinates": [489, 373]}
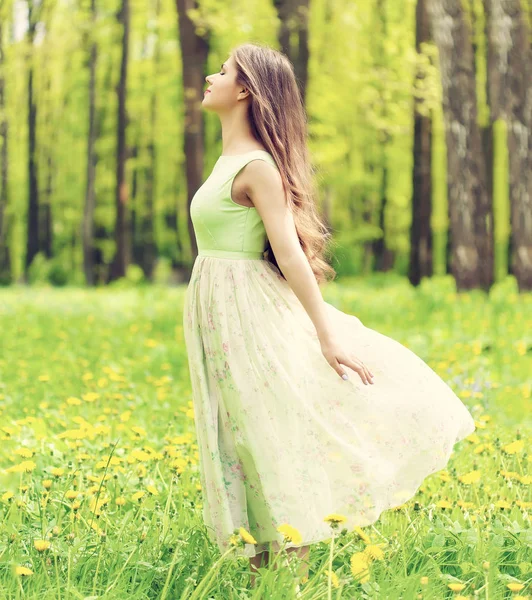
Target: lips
{"type": "Point", "coordinates": [206, 91]}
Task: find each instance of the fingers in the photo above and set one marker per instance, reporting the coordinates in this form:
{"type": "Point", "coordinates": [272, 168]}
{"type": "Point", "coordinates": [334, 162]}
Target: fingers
{"type": "Point", "coordinates": [365, 374]}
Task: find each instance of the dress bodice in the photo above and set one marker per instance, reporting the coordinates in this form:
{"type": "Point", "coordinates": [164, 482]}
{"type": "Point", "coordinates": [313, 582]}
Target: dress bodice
{"type": "Point", "coordinates": [222, 226]}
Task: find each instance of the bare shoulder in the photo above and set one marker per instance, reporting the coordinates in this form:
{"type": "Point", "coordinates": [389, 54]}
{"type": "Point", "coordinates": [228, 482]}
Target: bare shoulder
{"type": "Point", "coordinates": [263, 183]}
{"type": "Point", "coordinates": [259, 172]}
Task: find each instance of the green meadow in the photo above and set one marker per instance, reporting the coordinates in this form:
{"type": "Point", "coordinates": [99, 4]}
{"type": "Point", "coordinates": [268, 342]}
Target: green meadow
{"type": "Point", "coordinates": [99, 490]}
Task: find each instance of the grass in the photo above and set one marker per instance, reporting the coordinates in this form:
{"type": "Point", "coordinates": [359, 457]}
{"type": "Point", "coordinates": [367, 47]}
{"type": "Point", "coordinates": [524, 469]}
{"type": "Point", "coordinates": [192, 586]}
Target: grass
{"type": "Point", "coordinates": [99, 485]}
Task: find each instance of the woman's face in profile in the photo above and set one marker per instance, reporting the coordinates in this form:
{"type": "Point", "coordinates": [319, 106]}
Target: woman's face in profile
{"type": "Point", "coordinates": [223, 91]}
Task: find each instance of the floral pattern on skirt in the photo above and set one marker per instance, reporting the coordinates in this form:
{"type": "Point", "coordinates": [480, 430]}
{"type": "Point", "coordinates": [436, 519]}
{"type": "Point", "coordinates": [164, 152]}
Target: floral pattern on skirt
{"type": "Point", "coordinates": [282, 438]}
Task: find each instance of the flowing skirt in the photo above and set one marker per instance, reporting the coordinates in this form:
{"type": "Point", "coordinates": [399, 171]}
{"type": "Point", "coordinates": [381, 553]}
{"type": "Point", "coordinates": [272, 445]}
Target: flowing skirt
{"type": "Point", "coordinates": [282, 438]}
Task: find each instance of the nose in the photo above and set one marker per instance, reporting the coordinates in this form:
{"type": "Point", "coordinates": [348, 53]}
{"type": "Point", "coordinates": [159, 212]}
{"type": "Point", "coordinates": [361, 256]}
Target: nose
{"type": "Point", "coordinates": [207, 79]}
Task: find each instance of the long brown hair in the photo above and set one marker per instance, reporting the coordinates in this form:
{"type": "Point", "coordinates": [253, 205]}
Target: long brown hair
{"type": "Point", "coordinates": [278, 120]}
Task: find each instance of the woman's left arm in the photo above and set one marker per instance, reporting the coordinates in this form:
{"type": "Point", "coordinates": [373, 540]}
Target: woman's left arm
{"type": "Point", "coordinates": [265, 190]}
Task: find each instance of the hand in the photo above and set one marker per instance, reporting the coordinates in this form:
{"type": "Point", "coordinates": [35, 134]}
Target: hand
{"type": "Point", "coordinates": [336, 357]}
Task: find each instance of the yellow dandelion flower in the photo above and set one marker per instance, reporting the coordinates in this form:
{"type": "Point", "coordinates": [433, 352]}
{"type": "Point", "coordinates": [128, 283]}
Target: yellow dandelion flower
{"type": "Point", "coordinates": [138, 495]}
{"type": "Point", "coordinates": [362, 534]}
{"type": "Point", "coordinates": [120, 501]}
{"type": "Point", "coordinates": [138, 430]}
{"type": "Point", "coordinates": [290, 533]}
{"type": "Point", "coordinates": [472, 477]}
{"type": "Point", "coordinates": [26, 466]}
{"type": "Point", "coordinates": [73, 401]}
{"type": "Point", "coordinates": [152, 489]}
{"type": "Point", "coordinates": [246, 536]}
{"type": "Point", "coordinates": [334, 577]}
{"type": "Point", "coordinates": [235, 540]}
{"type": "Point", "coordinates": [57, 471]}
{"type": "Point", "coordinates": [7, 496]}
{"type": "Point", "coordinates": [515, 587]}
{"type": "Point", "coordinates": [514, 447]}
{"type": "Point", "coordinates": [20, 570]}
{"type": "Point", "coordinates": [41, 545]}
{"type": "Point", "coordinates": [24, 452]}
{"type": "Point", "coordinates": [360, 566]}
{"type": "Point", "coordinates": [47, 484]}
{"type": "Point", "coordinates": [503, 504]}
{"type": "Point", "coordinates": [443, 504]}
{"type": "Point", "coordinates": [424, 580]}
{"type": "Point", "coordinates": [374, 551]}
{"type": "Point", "coordinates": [456, 587]}
{"type": "Point", "coordinates": [335, 519]}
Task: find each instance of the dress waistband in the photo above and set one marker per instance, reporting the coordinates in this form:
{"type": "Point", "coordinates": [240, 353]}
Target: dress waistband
{"type": "Point", "coordinates": [231, 254]}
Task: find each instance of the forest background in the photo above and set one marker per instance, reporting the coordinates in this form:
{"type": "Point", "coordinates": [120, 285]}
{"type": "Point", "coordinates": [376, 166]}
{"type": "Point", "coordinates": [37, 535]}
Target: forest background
{"type": "Point", "coordinates": [419, 122]}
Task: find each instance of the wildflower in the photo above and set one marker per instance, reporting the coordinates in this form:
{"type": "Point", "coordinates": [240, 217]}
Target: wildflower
{"type": "Point", "coordinates": [456, 587]}
{"type": "Point", "coordinates": [360, 566]}
{"type": "Point", "coordinates": [374, 552]}
{"type": "Point", "coordinates": [290, 533]}
{"type": "Point", "coordinates": [515, 587]}
{"type": "Point", "coordinates": [334, 520]}
{"type": "Point", "coordinates": [471, 477]}
{"type": "Point", "coordinates": [362, 534]}
{"type": "Point", "coordinates": [334, 577]}
{"type": "Point", "coordinates": [41, 545]}
{"type": "Point", "coordinates": [246, 536]}
{"type": "Point", "coordinates": [514, 447]}
{"type": "Point", "coordinates": [23, 571]}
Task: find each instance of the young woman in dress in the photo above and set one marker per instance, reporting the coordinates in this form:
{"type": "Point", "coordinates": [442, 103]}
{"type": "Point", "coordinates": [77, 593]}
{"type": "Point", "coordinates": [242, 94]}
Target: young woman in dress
{"type": "Point", "coordinates": [301, 410]}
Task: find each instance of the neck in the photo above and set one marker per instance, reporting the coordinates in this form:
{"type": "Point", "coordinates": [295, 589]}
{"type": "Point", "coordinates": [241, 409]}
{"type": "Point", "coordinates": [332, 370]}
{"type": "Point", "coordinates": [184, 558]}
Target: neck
{"type": "Point", "coordinates": [236, 132]}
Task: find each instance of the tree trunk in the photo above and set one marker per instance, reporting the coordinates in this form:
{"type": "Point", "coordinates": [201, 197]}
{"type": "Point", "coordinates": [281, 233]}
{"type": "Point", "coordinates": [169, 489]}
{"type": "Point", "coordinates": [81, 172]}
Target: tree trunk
{"type": "Point", "coordinates": [469, 208]}
{"type": "Point", "coordinates": [32, 234]}
{"type": "Point", "coordinates": [122, 227]}
{"type": "Point", "coordinates": [420, 231]}
{"type": "Point", "coordinates": [5, 220]}
{"type": "Point", "coordinates": [87, 235]}
{"type": "Point", "coordinates": [194, 52]}
{"type": "Point", "coordinates": [510, 90]}
{"type": "Point", "coordinates": [293, 18]}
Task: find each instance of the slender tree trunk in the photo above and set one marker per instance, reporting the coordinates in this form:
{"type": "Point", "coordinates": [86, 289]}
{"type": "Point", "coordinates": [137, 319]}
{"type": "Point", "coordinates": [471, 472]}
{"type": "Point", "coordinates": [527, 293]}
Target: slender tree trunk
{"type": "Point", "coordinates": [510, 91]}
{"type": "Point", "coordinates": [420, 232]}
{"type": "Point", "coordinates": [87, 235]}
{"type": "Point", "coordinates": [194, 52]}
{"type": "Point", "coordinates": [122, 227]}
{"type": "Point", "coordinates": [149, 253]}
{"type": "Point", "coordinates": [32, 236]}
{"type": "Point", "coordinates": [469, 209]}
{"type": "Point", "coordinates": [383, 256]}
{"type": "Point", "coordinates": [294, 22]}
{"type": "Point", "coordinates": [5, 219]}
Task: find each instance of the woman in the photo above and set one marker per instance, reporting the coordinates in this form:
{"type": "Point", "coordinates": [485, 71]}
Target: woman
{"type": "Point", "coordinates": [301, 410]}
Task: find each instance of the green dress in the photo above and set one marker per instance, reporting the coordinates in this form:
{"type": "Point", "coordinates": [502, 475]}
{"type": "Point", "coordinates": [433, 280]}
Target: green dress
{"type": "Point", "coordinates": [282, 438]}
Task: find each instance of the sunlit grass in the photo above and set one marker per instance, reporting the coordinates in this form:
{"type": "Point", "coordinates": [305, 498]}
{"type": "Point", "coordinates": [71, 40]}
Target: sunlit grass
{"type": "Point", "coordinates": [99, 486]}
